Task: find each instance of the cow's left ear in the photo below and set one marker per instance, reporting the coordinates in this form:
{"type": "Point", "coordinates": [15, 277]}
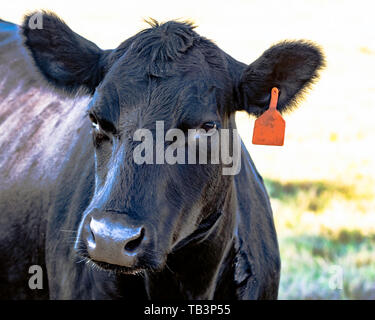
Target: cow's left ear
{"type": "Point", "coordinates": [291, 66]}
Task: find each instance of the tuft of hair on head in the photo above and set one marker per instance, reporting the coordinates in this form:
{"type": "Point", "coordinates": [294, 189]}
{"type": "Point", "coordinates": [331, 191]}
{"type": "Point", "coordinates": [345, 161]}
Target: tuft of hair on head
{"type": "Point", "coordinates": [153, 23]}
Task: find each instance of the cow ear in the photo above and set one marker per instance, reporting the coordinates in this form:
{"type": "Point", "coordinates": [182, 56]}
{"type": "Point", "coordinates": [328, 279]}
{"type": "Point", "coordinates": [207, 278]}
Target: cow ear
{"type": "Point", "coordinates": [66, 60]}
{"type": "Point", "coordinates": [291, 66]}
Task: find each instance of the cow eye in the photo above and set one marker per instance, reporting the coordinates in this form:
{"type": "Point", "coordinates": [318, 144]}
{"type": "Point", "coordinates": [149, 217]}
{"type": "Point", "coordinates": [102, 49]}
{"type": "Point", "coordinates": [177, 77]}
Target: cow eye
{"type": "Point", "coordinates": [94, 121]}
{"type": "Point", "coordinates": [209, 125]}
{"type": "Point", "coordinates": [98, 135]}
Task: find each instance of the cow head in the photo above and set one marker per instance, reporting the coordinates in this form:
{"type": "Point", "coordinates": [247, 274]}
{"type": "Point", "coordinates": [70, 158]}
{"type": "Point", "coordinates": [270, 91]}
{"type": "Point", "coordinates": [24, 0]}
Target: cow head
{"type": "Point", "coordinates": [140, 213]}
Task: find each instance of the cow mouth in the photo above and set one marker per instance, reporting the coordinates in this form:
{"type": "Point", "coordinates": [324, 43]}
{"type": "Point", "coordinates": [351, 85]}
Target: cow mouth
{"type": "Point", "coordinates": [137, 269]}
{"type": "Point", "coordinates": [108, 267]}
{"type": "Point", "coordinates": [104, 266]}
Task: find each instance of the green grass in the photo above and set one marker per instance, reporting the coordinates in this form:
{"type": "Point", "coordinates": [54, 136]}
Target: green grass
{"type": "Point", "coordinates": [312, 252]}
{"type": "Point", "coordinates": [309, 262]}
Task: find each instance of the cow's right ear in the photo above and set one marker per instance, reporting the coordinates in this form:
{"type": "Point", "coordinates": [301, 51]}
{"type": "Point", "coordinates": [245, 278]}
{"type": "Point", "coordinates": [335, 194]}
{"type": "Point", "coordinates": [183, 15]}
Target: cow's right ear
{"type": "Point", "coordinates": [290, 66]}
{"type": "Point", "coordinates": [67, 60]}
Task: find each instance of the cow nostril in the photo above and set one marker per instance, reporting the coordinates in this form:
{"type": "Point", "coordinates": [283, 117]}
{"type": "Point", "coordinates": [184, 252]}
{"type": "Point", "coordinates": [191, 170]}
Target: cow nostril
{"type": "Point", "coordinates": [91, 239]}
{"type": "Point", "coordinates": [134, 244]}
{"type": "Point", "coordinates": [92, 235]}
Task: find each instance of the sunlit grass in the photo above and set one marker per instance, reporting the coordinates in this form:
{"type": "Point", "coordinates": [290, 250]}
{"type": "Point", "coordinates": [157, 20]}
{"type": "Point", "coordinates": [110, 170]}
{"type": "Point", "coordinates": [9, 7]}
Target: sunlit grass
{"type": "Point", "coordinates": [313, 195]}
{"type": "Point", "coordinates": [316, 236]}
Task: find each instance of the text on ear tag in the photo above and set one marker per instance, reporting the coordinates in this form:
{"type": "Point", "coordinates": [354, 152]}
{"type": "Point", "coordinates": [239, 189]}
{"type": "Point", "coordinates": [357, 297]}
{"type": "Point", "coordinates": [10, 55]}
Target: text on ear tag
{"type": "Point", "coordinates": [269, 128]}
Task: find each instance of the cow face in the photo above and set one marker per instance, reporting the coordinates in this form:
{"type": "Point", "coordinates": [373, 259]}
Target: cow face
{"type": "Point", "coordinates": [166, 77]}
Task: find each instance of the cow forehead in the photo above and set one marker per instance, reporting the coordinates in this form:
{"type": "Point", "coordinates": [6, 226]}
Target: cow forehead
{"type": "Point", "coordinates": [123, 92]}
{"type": "Point", "coordinates": [132, 71]}
{"type": "Point", "coordinates": [170, 100]}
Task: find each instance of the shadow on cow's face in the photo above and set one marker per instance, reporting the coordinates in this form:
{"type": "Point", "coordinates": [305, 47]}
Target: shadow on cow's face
{"type": "Point", "coordinates": [141, 212]}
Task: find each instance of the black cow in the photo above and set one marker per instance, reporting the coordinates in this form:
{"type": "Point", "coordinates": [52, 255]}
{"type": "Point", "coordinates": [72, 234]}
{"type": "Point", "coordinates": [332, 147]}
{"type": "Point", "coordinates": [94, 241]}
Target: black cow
{"type": "Point", "coordinates": [72, 199]}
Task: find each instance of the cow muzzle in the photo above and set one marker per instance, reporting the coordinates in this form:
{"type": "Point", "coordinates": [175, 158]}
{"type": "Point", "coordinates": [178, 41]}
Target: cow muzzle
{"type": "Point", "coordinates": [109, 239]}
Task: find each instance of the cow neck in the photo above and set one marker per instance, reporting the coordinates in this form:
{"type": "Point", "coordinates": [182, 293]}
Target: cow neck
{"type": "Point", "coordinates": [203, 230]}
{"type": "Point", "coordinates": [183, 277]}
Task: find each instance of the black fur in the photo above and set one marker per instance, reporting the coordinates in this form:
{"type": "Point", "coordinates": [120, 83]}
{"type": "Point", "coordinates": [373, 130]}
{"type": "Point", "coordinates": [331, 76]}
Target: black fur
{"type": "Point", "coordinates": [209, 235]}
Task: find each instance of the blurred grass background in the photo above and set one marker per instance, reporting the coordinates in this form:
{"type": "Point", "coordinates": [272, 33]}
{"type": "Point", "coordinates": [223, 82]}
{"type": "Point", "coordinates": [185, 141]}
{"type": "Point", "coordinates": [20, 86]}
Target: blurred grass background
{"type": "Point", "coordinates": [321, 182]}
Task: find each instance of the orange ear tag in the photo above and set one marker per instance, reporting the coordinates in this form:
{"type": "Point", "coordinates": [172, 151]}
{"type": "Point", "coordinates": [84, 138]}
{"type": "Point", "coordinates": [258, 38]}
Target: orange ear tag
{"type": "Point", "coordinates": [269, 128]}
